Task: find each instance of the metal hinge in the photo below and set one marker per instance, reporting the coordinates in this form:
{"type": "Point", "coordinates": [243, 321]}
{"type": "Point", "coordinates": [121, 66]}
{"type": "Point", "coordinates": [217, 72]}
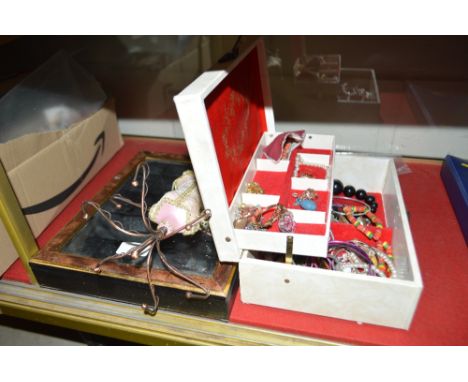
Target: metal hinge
{"type": "Point", "coordinates": [288, 258]}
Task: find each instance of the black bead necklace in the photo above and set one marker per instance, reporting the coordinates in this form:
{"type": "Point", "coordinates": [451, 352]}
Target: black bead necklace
{"type": "Point", "coordinates": [360, 194]}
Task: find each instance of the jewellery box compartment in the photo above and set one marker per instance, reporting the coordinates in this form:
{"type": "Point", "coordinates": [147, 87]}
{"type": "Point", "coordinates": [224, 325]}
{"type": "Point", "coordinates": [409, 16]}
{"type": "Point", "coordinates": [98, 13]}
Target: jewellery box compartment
{"type": "Point", "coordinates": [227, 118]}
{"type": "Point", "coordinates": [280, 183]}
{"type": "Point", "coordinates": [370, 299]}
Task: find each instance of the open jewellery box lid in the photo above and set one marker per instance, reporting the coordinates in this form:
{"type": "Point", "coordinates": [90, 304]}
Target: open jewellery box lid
{"type": "Point", "coordinates": [224, 113]}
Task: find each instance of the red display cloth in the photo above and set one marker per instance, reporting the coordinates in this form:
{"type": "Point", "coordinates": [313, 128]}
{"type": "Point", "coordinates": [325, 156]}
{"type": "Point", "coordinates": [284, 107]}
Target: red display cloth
{"type": "Point", "coordinates": [16, 272]}
{"type": "Point", "coordinates": [279, 183]}
{"type": "Point", "coordinates": [236, 112]}
{"type": "Point", "coordinates": [442, 314]}
{"type": "Point", "coordinates": [348, 232]}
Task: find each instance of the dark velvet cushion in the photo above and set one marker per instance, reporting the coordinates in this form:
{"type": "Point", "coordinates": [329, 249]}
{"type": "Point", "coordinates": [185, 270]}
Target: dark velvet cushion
{"type": "Point", "coordinates": [194, 254]}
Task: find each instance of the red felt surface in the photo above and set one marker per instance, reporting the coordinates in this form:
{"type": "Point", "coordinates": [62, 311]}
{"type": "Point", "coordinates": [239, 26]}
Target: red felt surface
{"type": "Point", "coordinates": [310, 151]}
{"type": "Point", "coordinates": [236, 114]}
{"type": "Point", "coordinates": [16, 272]}
{"type": "Point", "coordinates": [312, 172]}
{"type": "Point", "coordinates": [348, 232]}
{"type": "Point", "coordinates": [309, 229]}
{"type": "Point", "coordinates": [271, 182]}
{"type": "Point", "coordinates": [378, 198]}
{"type": "Point", "coordinates": [442, 315]}
{"type": "Point", "coordinates": [342, 231]}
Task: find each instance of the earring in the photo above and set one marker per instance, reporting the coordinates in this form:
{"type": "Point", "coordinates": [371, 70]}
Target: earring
{"type": "Point", "coordinates": [306, 200]}
{"type": "Point", "coordinates": [286, 221]}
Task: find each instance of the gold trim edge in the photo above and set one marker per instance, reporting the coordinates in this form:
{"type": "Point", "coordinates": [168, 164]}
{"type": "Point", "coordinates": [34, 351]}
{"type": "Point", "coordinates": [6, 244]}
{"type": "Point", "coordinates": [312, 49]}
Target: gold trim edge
{"type": "Point", "coordinates": [31, 301]}
{"type": "Point", "coordinates": [223, 293]}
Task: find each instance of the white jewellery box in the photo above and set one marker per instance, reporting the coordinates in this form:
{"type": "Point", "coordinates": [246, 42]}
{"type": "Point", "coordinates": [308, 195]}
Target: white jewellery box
{"type": "Point", "coordinates": [227, 119]}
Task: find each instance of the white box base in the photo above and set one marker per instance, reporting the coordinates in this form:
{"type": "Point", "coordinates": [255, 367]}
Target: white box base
{"type": "Point", "coordinates": [362, 298]}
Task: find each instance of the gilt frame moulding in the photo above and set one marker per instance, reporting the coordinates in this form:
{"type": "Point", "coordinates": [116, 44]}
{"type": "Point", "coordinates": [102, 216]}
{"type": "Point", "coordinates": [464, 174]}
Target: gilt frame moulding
{"type": "Point", "coordinates": [125, 321]}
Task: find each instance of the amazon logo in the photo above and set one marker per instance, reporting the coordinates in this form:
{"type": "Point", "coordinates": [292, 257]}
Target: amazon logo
{"type": "Point", "coordinates": [60, 197]}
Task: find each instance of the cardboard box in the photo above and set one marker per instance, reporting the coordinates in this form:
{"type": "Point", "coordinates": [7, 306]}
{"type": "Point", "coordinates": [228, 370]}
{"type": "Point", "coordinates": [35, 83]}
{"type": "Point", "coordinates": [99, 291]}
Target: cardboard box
{"type": "Point", "coordinates": [46, 170]}
{"type": "Point", "coordinates": [227, 119]}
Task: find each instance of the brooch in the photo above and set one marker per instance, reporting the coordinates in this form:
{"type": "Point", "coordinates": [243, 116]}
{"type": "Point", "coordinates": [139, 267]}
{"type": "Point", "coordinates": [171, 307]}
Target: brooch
{"type": "Point", "coordinates": [306, 199]}
{"type": "Point", "coordinates": [254, 188]}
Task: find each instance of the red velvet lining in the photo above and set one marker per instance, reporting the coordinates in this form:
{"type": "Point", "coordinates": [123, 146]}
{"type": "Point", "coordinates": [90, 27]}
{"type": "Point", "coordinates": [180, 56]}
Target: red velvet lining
{"type": "Point", "coordinates": [279, 183]}
{"type": "Point", "coordinates": [311, 151]}
{"type": "Point", "coordinates": [343, 231]}
{"type": "Point", "coordinates": [236, 113]}
{"type": "Point", "coordinates": [313, 172]}
{"type": "Point", "coordinates": [310, 229]}
{"type": "Point", "coordinates": [323, 196]}
{"type": "Point", "coordinates": [349, 232]}
{"type": "Point", "coordinates": [378, 198]}
{"type": "Point", "coordinates": [271, 182]}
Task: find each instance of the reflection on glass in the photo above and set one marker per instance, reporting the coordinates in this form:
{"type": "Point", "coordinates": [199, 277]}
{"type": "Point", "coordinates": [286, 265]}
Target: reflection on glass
{"type": "Point", "coordinates": [404, 84]}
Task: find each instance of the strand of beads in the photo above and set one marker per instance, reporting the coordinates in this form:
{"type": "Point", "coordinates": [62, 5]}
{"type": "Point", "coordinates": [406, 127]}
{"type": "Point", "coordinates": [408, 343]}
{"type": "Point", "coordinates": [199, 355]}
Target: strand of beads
{"type": "Point", "coordinates": [300, 162]}
{"type": "Point", "coordinates": [346, 256]}
{"type": "Point", "coordinates": [339, 215]}
{"type": "Point", "coordinates": [373, 253]}
{"type": "Point", "coordinates": [383, 246]}
{"type": "Point", "coordinates": [353, 257]}
{"type": "Point", "coordinates": [350, 191]}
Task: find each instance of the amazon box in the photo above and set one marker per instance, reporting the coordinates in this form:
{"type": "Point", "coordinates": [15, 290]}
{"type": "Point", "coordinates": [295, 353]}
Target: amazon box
{"type": "Point", "coordinates": [47, 169]}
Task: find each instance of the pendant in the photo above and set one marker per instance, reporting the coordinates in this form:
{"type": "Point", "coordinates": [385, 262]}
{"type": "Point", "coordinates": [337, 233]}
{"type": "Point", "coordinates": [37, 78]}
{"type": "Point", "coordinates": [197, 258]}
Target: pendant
{"type": "Point", "coordinates": [286, 222]}
{"type": "Point", "coordinates": [306, 204]}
